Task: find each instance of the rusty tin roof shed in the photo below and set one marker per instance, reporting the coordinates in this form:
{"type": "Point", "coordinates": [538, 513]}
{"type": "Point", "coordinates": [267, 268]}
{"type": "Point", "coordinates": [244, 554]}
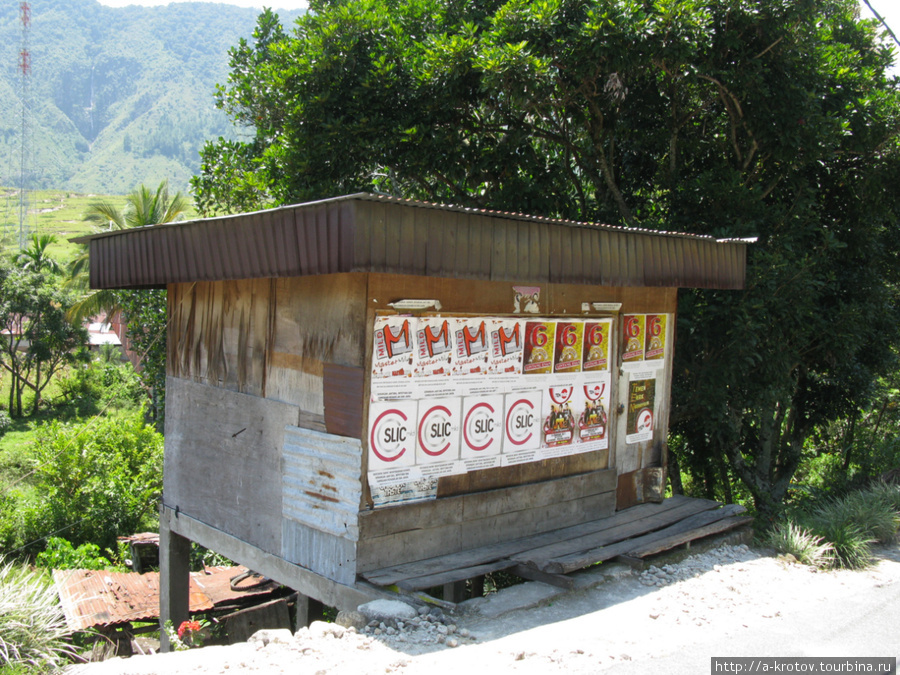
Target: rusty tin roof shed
{"type": "Point", "coordinates": [375, 233]}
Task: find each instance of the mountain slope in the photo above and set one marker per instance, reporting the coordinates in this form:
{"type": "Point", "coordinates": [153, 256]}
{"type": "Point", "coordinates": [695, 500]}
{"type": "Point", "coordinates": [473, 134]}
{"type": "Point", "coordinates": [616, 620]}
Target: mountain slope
{"type": "Point", "coordinates": [118, 96]}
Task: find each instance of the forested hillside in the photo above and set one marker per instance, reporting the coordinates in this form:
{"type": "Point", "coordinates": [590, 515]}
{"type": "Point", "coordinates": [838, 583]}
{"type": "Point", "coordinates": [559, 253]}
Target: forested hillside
{"type": "Point", "coordinates": [118, 96]}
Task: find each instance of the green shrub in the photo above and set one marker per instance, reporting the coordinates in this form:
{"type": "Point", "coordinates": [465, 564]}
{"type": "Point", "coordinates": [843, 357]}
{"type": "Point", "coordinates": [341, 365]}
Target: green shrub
{"type": "Point", "coordinates": [852, 524]}
{"type": "Point", "coordinates": [61, 555]}
{"type": "Point", "coordinates": [33, 628]}
{"type": "Point", "coordinates": [806, 547]}
{"type": "Point", "coordinates": [93, 481]}
{"type": "Point", "coordinates": [852, 547]}
{"type": "Point", "coordinates": [887, 494]}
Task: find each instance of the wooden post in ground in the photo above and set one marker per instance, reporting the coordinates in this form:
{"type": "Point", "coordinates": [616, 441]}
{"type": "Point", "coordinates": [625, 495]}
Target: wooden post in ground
{"type": "Point", "coordinates": [174, 581]}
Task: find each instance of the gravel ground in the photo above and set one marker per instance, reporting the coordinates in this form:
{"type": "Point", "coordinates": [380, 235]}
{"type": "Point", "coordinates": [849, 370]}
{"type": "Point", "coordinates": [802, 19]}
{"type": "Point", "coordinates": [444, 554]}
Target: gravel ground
{"type": "Point", "coordinates": [614, 618]}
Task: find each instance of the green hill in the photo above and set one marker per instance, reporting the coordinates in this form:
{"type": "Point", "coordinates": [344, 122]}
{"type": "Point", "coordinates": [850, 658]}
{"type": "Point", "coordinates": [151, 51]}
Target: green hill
{"type": "Point", "coordinates": [118, 96]}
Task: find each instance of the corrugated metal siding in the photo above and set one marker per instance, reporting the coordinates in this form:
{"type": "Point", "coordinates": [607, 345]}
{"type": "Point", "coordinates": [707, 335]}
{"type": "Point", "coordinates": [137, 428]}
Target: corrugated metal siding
{"type": "Point", "coordinates": [321, 494]}
{"type": "Point", "coordinates": [370, 233]}
{"type": "Point", "coordinates": [321, 485]}
{"type": "Point", "coordinates": [91, 598]}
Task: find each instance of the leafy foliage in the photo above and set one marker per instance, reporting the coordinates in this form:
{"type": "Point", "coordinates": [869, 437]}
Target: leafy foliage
{"type": "Point", "coordinates": [93, 481]}
{"type": "Point", "coordinates": [40, 340]}
{"type": "Point", "coordinates": [147, 325]}
{"type": "Point", "coordinates": [61, 555]}
{"type": "Point", "coordinates": [733, 119]}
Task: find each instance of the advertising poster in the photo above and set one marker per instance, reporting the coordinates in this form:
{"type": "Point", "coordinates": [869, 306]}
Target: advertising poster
{"type": "Point", "coordinates": [438, 432]}
{"type": "Point", "coordinates": [539, 340]}
{"type": "Point", "coordinates": [434, 358]}
{"type": "Point", "coordinates": [507, 351]}
{"type": "Point", "coordinates": [473, 357]}
{"type": "Point", "coordinates": [522, 422]}
{"type": "Point", "coordinates": [633, 326]}
{"type": "Point", "coordinates": [640, 414]}
{"type": "Point", "coordinates": [595, 346]}
{"type": "Point", "coordinates": [392, 360]}
{"type": "Point", "coordinates": [417, 490]}
{"type": "Point", "coordinates": [592, 424]}
{"type": "Point", "coordinates": [558, 427]}
{"type": "Point", "coordinates": [482, 426]}
{"type": "Point", "coordinates": [655, 342]}
{"type": "Point", "coordinates": [392, 434]}
{"type": "Point", "coordinates": [567, 353]}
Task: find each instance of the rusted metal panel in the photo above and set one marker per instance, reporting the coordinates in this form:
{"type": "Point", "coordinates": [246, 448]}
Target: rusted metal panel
{"type": "Point", "coordinates": [321, 495]}
{"type": "Point", "coordinates": [374, 233]}
{"type": "Point", "coordinates": [321, 482]}
{"type": "Point", "coordinates": [92, 598]}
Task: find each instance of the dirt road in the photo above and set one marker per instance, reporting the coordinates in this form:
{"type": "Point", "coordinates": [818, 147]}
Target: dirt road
{"type": "Point", "coordinates": [730, 601]}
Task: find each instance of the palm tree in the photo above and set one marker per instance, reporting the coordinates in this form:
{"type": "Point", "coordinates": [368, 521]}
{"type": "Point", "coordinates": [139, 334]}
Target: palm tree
{"type": "Point", "coordinates": [143, 207]}
{"type": "Point", "coordinates": [35, 257]}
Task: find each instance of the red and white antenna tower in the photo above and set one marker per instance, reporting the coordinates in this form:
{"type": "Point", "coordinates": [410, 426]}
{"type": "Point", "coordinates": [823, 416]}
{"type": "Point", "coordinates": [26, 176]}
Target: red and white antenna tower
{"type": "Point", "coordinates": [25, 72]}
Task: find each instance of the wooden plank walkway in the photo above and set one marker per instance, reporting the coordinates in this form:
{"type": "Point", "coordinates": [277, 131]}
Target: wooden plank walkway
{"type": "Point", "coordinates": [637, 532]}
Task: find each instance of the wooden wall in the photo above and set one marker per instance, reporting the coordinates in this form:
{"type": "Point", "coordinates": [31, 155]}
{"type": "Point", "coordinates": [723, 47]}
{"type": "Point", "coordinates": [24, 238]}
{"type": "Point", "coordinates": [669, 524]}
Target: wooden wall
{"type": "Point", "coordinates": [250, 365]}
{"type": "Point", "coordinates": [251, 359]}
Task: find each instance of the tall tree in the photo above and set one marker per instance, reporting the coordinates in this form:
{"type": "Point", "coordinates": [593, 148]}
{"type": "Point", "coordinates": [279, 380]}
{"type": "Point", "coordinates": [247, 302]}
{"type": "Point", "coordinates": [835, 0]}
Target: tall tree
{"type": "Point", "coordinates": [144, 310]}
{"type": "Point", "coordinates": [38, 340]}
{"type": "Point", "coordinates": [739, 118]}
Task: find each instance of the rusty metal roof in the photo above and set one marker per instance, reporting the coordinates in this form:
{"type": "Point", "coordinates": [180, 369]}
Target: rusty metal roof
{"type": "Point", "coordinates": [375, 233]}
{"type": "Point", "coordinates": [92, 598]}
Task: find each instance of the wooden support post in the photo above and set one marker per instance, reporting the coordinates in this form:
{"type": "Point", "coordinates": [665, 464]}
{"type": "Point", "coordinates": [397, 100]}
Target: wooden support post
{"type": "Point", "coordinates": [455, 591]}
{"type": "Point", "coordinates": [174, 581]}
{"type": "Point", "coordinates": [301, 607]}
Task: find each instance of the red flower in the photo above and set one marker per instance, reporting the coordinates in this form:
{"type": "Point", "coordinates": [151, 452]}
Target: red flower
{"type": "Point", "coordinates": [188, 627]}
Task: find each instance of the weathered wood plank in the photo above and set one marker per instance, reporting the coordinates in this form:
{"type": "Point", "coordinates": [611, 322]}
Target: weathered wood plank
{"type": "Point", "coordinates": [723, 525]}
{"type": "Point", "coordinates": [333, 594]}
{"type": "Point", "coordinates": [576, 561]}
{"type": "Point", "coordinates": [619, 529]}
{"type": "Point", "coordinates": [453, 575]}
{"type": "Point", "coordinates": [343, 398]}
{"type": "Point", "coordinates": [223, 462]}
{"type": "Point", "coordinates": [558, 580]}
{"type": "Point", "coordinates": [435, 543]}
{"type": "Point", "coordinates": [544, 518]}
{"type": "Point", "coordinates": [516, 546]}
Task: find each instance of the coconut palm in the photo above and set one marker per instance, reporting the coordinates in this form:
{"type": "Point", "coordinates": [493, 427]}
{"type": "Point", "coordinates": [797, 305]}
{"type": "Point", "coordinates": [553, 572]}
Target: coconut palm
{"type": "Point", "coordinates": [35, 257]}
{"type": "Point", "coordinates": [143, 207]}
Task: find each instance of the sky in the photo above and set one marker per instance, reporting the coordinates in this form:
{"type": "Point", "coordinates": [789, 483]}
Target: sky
{"type": "Point", "coordinates": [888, 9]}
{"type": "Point", "coordinates": [259, 4]}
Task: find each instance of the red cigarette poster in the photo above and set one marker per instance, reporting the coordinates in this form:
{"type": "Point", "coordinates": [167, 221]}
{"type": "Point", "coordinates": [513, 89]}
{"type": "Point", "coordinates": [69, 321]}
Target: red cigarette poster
{"type": "Point", "coordinates": [633, 337]}
{"type": "Point", "coordinates": [655, 342]}
{"type": "Point", "coordinates": [539, 339]}
{"type": "Point", "coordinates": [595, 346]}
{"type": "Point", "coordinates": [567, 354]}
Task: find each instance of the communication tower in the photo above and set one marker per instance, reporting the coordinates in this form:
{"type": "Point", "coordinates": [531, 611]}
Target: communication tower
{"type": "Point", "coordinates": [25, 73]}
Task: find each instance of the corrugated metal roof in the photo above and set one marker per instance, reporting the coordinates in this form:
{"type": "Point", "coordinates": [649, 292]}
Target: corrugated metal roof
{"type": "Point", "coordinates": [375, 233]}
{"type": "Point", "coordinates": [93, 598]}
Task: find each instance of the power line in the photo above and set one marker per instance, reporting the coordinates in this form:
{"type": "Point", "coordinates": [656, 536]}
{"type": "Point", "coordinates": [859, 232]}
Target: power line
{"type": "Point", "coordinates": [881, 19]}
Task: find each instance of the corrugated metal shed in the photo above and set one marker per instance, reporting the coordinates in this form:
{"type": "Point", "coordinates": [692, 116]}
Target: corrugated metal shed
{"type": "Point", "coordinates": [92, 598]}
{"type": "Point", "coordinates": [374, 233]}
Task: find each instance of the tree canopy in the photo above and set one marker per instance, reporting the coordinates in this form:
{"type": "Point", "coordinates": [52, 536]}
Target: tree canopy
{"type": "Point", "coordinates": [767, 118]}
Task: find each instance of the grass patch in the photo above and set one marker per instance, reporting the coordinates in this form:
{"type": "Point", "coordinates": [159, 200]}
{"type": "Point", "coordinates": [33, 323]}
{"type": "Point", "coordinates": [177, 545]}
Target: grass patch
{"type": "Point", "coordinates": [840, 532]}
{"type": "Point", "coordinates": [33, 631]}
{"type": "Point", "coordinates": [792, 539]}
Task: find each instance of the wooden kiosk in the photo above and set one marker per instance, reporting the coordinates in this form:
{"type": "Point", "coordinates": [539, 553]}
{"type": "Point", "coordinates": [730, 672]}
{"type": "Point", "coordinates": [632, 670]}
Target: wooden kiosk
{"type": "Point", "coordinates": [366, 382]}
